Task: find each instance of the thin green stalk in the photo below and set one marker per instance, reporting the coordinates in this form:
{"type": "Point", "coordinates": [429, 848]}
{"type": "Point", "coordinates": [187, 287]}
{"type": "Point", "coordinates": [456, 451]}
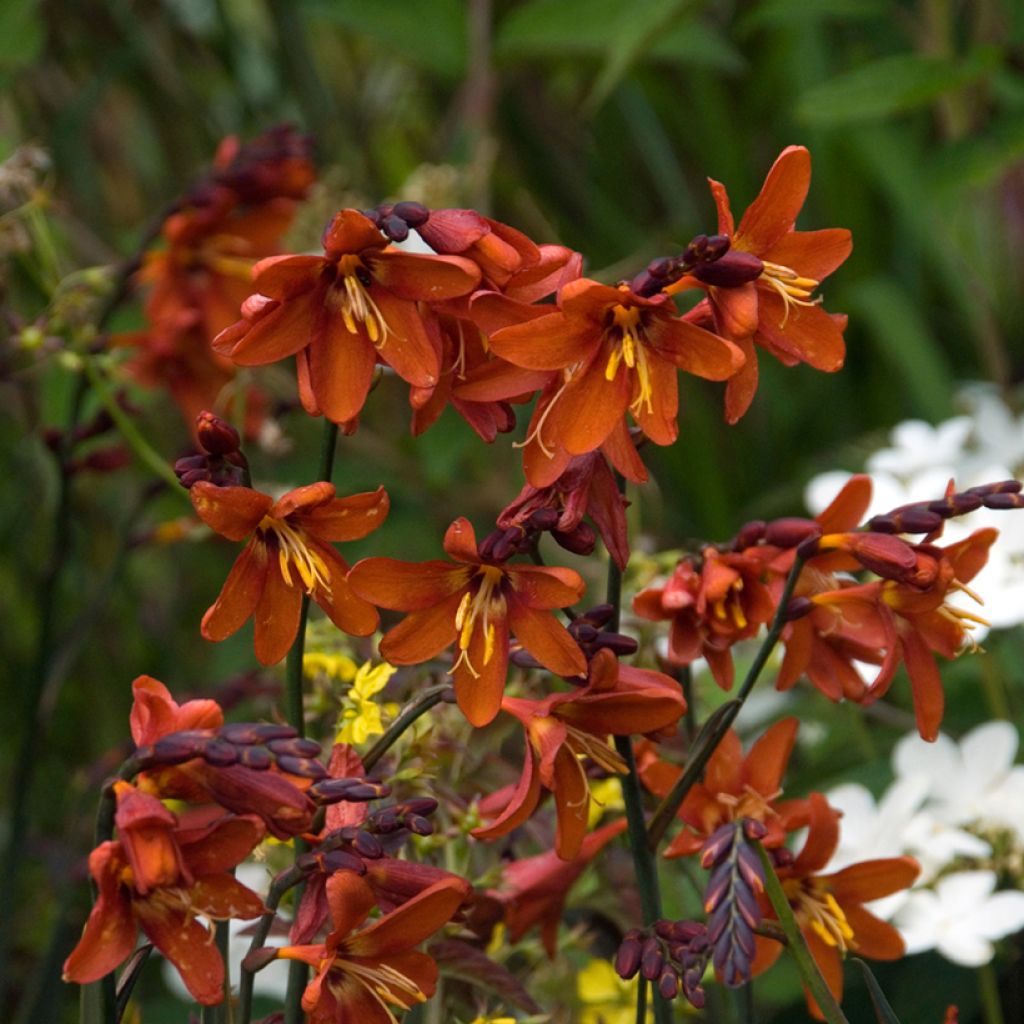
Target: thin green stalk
{"type": "Point", "coordinates": [719, 723]}
{"type": "Point", "coordinates": [988, 989]}
{"type": "Point", "coordinates": [641, 1000]}
{"type": "Point", "coordinates": [428, 699]}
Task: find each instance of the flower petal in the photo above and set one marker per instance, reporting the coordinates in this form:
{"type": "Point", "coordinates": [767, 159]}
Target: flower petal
{"type": "Point", "coordinates": [521, 805]}
{"type": "Point", "coordinates": [545, 638]}
{"type": "Point", "coordinates": [572, 804]}
{"type": "Point", "coordinates": [240, 594]}
{"type": "Point", "coordinates": [277, 618]}
{"type": "Point", "coordinates": [341, 365]}
{"type": "Point", "coordinates": [188, 945]}
{"type": "Point", "coordinates": [540, 586]}
{"type": "Point", "coordinates": [350, 518]}
{"type": "Point", "coordinates": [423, 634]}
{"type": "Point", "coordinates": [407, 586]}
{"type": "Point", "coordinates": [233, 512]}
{"type": "Point", "coordinates": [782, 195]}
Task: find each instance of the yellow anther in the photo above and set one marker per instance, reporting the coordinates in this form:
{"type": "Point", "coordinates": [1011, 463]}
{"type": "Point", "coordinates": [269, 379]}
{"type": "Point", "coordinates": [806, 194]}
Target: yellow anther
{"type": "Point", "coordinates": [294, 553]}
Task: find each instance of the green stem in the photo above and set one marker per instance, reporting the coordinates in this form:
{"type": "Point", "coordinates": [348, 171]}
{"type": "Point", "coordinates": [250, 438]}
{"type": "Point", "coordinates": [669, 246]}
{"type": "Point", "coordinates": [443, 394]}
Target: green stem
{"type": "Point", "coordinates": [145, 452]}
{"type": "Point", "coordinates": [719, 723]}
{"type": "Point", "coordinates": [421, 705]}
{"type": "Point", "coordinates": [988, 989]}
{"type": "Point", "coordinates": [641, 1000]}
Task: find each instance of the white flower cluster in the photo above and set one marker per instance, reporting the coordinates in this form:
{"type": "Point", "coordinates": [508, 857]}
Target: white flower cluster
{"type": "Point", "coordinates": [959, 809]}
{"type": "Point", "coordinates": [984, 445]}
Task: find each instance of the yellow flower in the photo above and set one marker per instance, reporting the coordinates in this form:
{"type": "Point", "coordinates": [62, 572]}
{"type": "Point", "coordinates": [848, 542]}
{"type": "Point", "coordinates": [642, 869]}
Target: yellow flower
{"type": "Point", "coordinates": [334, 666]}
{"type": "Point", "coordinates": [606, 998]}
{"type": "Point", "coordinates": [605, 795]}
{"type": "Point", "coordinates": [493, 1020]}
{"type": "Point", "coordinates": [360, 715]}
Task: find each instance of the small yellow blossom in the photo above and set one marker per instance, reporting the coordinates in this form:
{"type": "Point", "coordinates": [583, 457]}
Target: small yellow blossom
{"type": "Point", "coordinates": [327, 663]}
{"type": "Point", "coordinates": [606, 998]}
{"type": "Point", "coordinates": [605, 795]}
{"type": "Point", "coordinates": [360, 715]}
{"type": "Point", "coordinates": [493, 1020]}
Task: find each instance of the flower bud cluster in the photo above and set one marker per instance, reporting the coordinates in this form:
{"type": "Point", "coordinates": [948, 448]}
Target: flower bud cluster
{"type": "Point", "coordinates": [928, 516]}
{"type": "Point", "coordinates": [673, 956]}
{"type": "Point", "coordinates": [221, 461]}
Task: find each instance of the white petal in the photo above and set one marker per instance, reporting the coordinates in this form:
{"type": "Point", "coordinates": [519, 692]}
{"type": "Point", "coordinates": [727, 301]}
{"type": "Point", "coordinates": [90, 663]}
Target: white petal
{"type": "Point", "coordinates": [1002, 914]}
{"type": "Point", "coordinates": [965, 949]}
{"type": "Point", "coordinates": [988, 752]}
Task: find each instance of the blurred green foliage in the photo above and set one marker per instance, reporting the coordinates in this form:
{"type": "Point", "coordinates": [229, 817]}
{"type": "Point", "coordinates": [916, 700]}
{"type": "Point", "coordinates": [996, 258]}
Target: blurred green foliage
{"type": "Point", "coordinates": [589, 122]}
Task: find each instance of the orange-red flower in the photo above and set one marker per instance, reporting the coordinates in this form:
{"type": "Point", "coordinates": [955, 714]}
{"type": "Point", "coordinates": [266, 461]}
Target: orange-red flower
{"type": "Point", "coordinates": [158, 876]}
{"type": "Point", "coordinates": [341, 312]}
{"type": "Point", "coordinates": [534, 889]}
{"type": "Point", "coordinates": [565, 727]}
{"type": "Point", "coordinates": [475, 604]}
{"type": "Point", "coordinates": [776, 310]}
{"type": "Point", "coordinates": [360, 975]}
{"type": "Point", "coordinates": [830, 908]}
{"type": "Point", "coordinates": [289, 553]}
{"type": "Point", "coordinates": [734, 786]}
{"type": "Point", "coordinates": [614, 350]}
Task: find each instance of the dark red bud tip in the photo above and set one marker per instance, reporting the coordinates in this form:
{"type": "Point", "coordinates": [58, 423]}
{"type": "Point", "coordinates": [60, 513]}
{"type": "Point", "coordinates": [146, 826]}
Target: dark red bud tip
{"type": "Point", "coordinates": [215, 435]}
{"type": "Point", "coordinates": [808, 548]}
{"type": "Point", "coordinates": [1003, 500]}
{"type": "Point", "coordinates": [419, 805]}
{"type": "Point", "coordinates": [1001, 487]}
{"type": "Point", "coordinates": [668, 983]}
{"type": "Point", "coordinates": [304, 767]}
{"type": "Point", "coordinates": [583, 631]}
{"type": "Point", "coordinates": [730, 270]}
{"type": "Point", "coordinates": [220, 754]}
{"type": "Point", "coordinates": [367, 845]}
{"type": "Point", "coordinates": [257, 758]}
{"type": "Point", "coordinates": [652, 959]}
{"type": "Point", "coordinates": [414, 214]}
{"type": "Point", "coordinates": [798, 608]}
{"type": "Point", "coordinates": [782, 857]}
{"type": "Point", "coordinates": [580, 541]}
{"type": "Point", "coordinates": [749, 535]}
{"type": "Point", "coordinates": [179, 747]}
{"type": "Point", "coordinates": [418, 825]}
{"type": "Point", "coordinates": [754, 829]}
{"type": "Point", "coordinates": [714, 246]}
{"type": "Point", "coordinates": [717, 846]}
{"type": "Point", "coordinates": [544, 519]}
{"type": "Point", "coordinates": [964, 503]}
{"type": "Point", "coordinates": [600, 614]}
{"type": "Point", "coordinates": [627, 960]}
{"type": "Point", "coordinates": [244, 733]}
{"type": "Point", "coordinates": [523, 659]}
{"type": "Point", "coordinates": [395, 228]}
{"type": "Point", "coordinates": [294, 747]}
{"type": "Point", "coordinates": [790, 531]}
{"type": "Point", "coordinates": [912, 519]}
{"type": "Point", "coordinates": [617, 643]}
{"type": "Point", "coordinates": [259, 958]}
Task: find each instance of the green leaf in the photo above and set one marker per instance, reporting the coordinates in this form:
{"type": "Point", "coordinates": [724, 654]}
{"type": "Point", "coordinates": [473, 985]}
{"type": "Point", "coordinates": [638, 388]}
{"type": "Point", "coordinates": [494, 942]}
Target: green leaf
{"type": "Point", "coordinates": [430, 33]}
{"type": "Point", "coordinates": [797, 945]}
{"type": "Point", "coordinates": [883, 1011]}
{"type": "Point", "coordinates": [773, 13]}
{"type": "Point", "coordinates": [891, 85]}
{"type": "Point", "coordinates": [984, 158]}
{"type": "Point", "coordinates": [904, 340]}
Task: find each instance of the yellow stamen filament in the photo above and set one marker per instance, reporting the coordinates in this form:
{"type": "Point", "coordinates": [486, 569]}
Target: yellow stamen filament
{"type": "Point", "coordinates": [294, 552]}
{"type": "Point", "coordinates": [356, 305]}
{"type": "Point", "coordinates": [793, 289]}
{"type": "Point", "coordinates": [459, 364]}
{"type": "Point", "coordinates": [536, 434]}
{"type": "Point", "coordinates": [584, 744]}
{"type": "Point", "coordinates": [386, 984]}
{"type": "Point", "coordinates": [815, 906]}
{"type": "Point", "coordinates": [730, 606]}
{"type": "Point", "coordinates": [630, 349]}
{"type": "Point", "coordinates": [750, 804]}
{"type": "Point", "coordinates": [487, 601]}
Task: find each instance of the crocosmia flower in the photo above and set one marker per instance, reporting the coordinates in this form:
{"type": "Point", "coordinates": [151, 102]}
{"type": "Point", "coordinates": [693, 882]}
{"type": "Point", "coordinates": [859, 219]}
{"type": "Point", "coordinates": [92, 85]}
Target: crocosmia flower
{"type": "Point", "coordinates": [289, 553]}
{"type": "Point", "coordinates": [475, 604]}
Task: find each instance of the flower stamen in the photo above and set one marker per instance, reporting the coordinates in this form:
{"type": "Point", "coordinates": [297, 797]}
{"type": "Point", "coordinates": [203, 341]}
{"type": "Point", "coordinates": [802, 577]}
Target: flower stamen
{"type": "Point", "coordinates": [356, 304]}
{"type": "Point", "coordinates": [293, 551]}
{"type": "Point", "coordinates": [487, 601]}
{"type": "Point", "coordinates": [793, 289]}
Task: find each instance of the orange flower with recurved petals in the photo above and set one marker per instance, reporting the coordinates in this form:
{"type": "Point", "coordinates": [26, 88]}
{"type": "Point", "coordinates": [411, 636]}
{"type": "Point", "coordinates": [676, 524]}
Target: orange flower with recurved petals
{"type": "Point", "coordinates": [289, 553]}
{"type": "Point", "coordinates": [474, 603]}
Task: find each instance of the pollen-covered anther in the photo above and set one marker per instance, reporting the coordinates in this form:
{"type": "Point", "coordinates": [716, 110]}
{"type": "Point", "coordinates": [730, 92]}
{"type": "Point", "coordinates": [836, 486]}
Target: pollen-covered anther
{"type": "Point", "coordinates": [486, 602]}
{"type": "Point", "coordinates": [816, 907]}
{"type": "Point", "coordinates": [627, 346]}
{"type": "Point", "coordinates": [793, 289]}
{"type": "Point", "coordinates": [354, 301]}
{"type": "Point", "coordinates": [294, 552]}
{"type": "Point", "coordinates": [386, 984]}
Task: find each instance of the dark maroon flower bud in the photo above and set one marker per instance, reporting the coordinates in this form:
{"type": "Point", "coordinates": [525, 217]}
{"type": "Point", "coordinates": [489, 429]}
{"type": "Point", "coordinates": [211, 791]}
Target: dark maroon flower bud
{"type": "Point", "coordinates": [746, 904]}
{"type": "Point", "coordinates": [420, 805]}
{"type": "Point", "coordinates": [719, 887]}
{"type": "Point", "coordinates": [668, 983]}
{"type": "Point", "coordinates": [782, 857]}
{"type": "Point", "coordinates": [255, 732]}
{"type": "Point", "coordinates": [178, 747]}
{"type": "Point", "coordinates": [259, 958]}
{"type": "Point", "coordinates": [296, 746]}
{"type": "Point", "coordinates": [1000, 487]}
{"type": "Point", "coordinates": [730, 270]}
{"type": "Point", "coordinates": [304, 767]}
{"type": "Point", "coordinates": [215, 435]}
{"type": "Point", "coordinates": [718, 845]}
{"type": "Point", "coordinates": [749, 535]}
{"type": "Point", "coordinates": [377, 215]}
{"type": "Point", "coordinates": [395, 228]}
{"type": "Point", "coordinates": [543, 519]}
{"type": "Point", "coordinates": [219, 753]}
{"type": "Point", "coordinates": [627, 960]}
{"type": "Point", "coordinates": [339, 860]}
{"type": "Point", "coordinates": [808, 548]}
{"type": "Point", "coordinates": [367, 845]}
{"type": "Point", "coordinates": [790, 531]}
{"type": "Point", "coordinates": [754, 829]}
{"type": "Point", "coordinates": [580, 541]}
{"type": "Point", "coordinates": [617, 643]}
{"type": "Point", "coordinates": [414, 214]}
{"type": "Point", "coordinates": [798, 607]}
{"type": "Point", "coordinates": [652, 959]}
{"type": "Point", "coordinates": [523, 659]}
{"type": "Point", "coordinates": [662, 268]}
{"type": "Point", "coordinates": [665, 930]}
{"type": "Point", "coordinates": [1003, 500]}
{"type": "Point", "coordinates": [419, 825]}
{"type": "Point", "coordinates": [712, 247]}
{"type": "Point", "coordinates": [255, 757]}
{"type": "Point", "coordinates": [912, 519]}
{"type": "Point", "coordinates": [583, 631]}
{"type": "Point", "coordinates": [599, 615]}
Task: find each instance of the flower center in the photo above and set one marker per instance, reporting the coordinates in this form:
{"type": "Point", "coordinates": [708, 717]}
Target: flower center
{"type": "Point", "coordinates": [814, 906]}
{"type": "Point", "coordinates": [793, 289]}
{"type": "Point", "coordinates": [729, 607]}
{"type": "Point", "coordinates": [485, 602]}
{"type": "Point", "coordinates": [585, 744]}
{"type": "Point", "coordinates": [626, 335]}
{"type": "Point", "coordinates": [749, 804]}
{"type": "Point", "coordinates": [354, 300]}
{"type": "Point", "coordinates": [386, 984]}
{"type": "Point", "coordinates": [294, 552]}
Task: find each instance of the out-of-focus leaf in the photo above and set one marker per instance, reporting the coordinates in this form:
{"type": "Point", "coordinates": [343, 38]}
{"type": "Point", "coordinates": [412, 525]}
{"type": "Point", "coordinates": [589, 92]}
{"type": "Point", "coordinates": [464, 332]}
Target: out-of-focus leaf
{"type": "Point", "coordinates": [903, 340]}
{"type": "Point", "coordinates": [883, 1011]}
{"type": "Point", "coordinates": [785, 12]}
{"type": "Point", "coordinates": [21, 35]}
{"type": "Point", "coordinates": [430, 33]}
{"type": "Point", "coordinates": [891, 85]}
{"type": "Point", "coordinates": [467, 963]}
{"type": "Point", "coordinates": [981, 159]}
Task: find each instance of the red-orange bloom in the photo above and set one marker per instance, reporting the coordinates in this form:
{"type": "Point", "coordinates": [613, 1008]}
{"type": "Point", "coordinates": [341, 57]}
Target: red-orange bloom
{"type": "Point", "coordinates": [711, 605]}
{"type": "Point", "coordinates": [776, 310]}
{"type": "Point", "coordinates": [360, 975]}
{"type": "Point", "coordinates": [565, 727]}
{"type": "Point", "coordinates": [341, 312]}
{"type": "Point", "coordinates": [830, 908]}
{"type": "Point", "coordinates": [614, 350]}
{"type": "Point", "coordinates": [158, 876]}
{"type": "Point", "coordinates": [734, 786]}
{"type": "Point", "coordinates": [475, 604]}
{"type": "Point", "coordinates": [534, 889]}
{"type": "Point", "coordinates": [289, 553]}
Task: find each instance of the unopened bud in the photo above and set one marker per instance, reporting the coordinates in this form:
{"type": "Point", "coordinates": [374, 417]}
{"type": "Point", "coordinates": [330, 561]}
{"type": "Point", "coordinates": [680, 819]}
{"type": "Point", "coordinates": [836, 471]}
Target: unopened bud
{"type": "Point", "coordinates": [749, 534]}
{"type": "Point", "coordinates": [668, 983]}
{"type": "Point", "coordinates": [296, 746]}
{"type": "Point", "coordinates": [798, 608]}
{"type": "Point", "coordinates": [790, 531]}
{"type": "Point", "coordinates": [1003, 500]}
{"type": "Point", "coordinates": [179, 747]}
{"type": "Point", "coordinates": [414, 214]}
{"type": "Point", "coordinates": [255, 732]}
{"type": "Point", "coordinates": [419, 825]}
{"type": "Point", "coordinates": [617, 643]}
{"type": "Point", "coordinates": [731, 270]}
{"type": "Point", "coordinates": [215, 435]}
{"type": "Point", "coordinates": [255, 757]}
{"type": "Point", "coordinates": [652, 959]}
{"type": "Point", "coordinates": [580, 541]}
{"type": "Point", "coordinates": [220, 754]}
{"type": "Point", "coordinates": [304, 767]}
{"type": "Point", "coordinates": [395, 228]}
{"type": "Point", "coordinates": [259, 958]}
{"type": "Point", "coordinates": [627, 960]}
{"type": "Point", "coordinates": [1000, 487]}
{"type": "Point", "coordinates": [367, 845]}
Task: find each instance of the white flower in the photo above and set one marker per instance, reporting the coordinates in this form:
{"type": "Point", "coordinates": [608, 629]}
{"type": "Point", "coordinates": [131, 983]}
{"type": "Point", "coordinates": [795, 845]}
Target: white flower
{"type": "Point", "coordinates": [974, 782]}
{"type": "Point", "coordinates": [961, 918]}
{"type": "Point", "coordinates": [919, 446]}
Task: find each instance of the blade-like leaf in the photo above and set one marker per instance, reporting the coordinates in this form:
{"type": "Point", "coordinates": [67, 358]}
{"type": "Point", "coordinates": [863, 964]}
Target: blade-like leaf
{"type": "Point", "coordinates": [883, 1011]}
